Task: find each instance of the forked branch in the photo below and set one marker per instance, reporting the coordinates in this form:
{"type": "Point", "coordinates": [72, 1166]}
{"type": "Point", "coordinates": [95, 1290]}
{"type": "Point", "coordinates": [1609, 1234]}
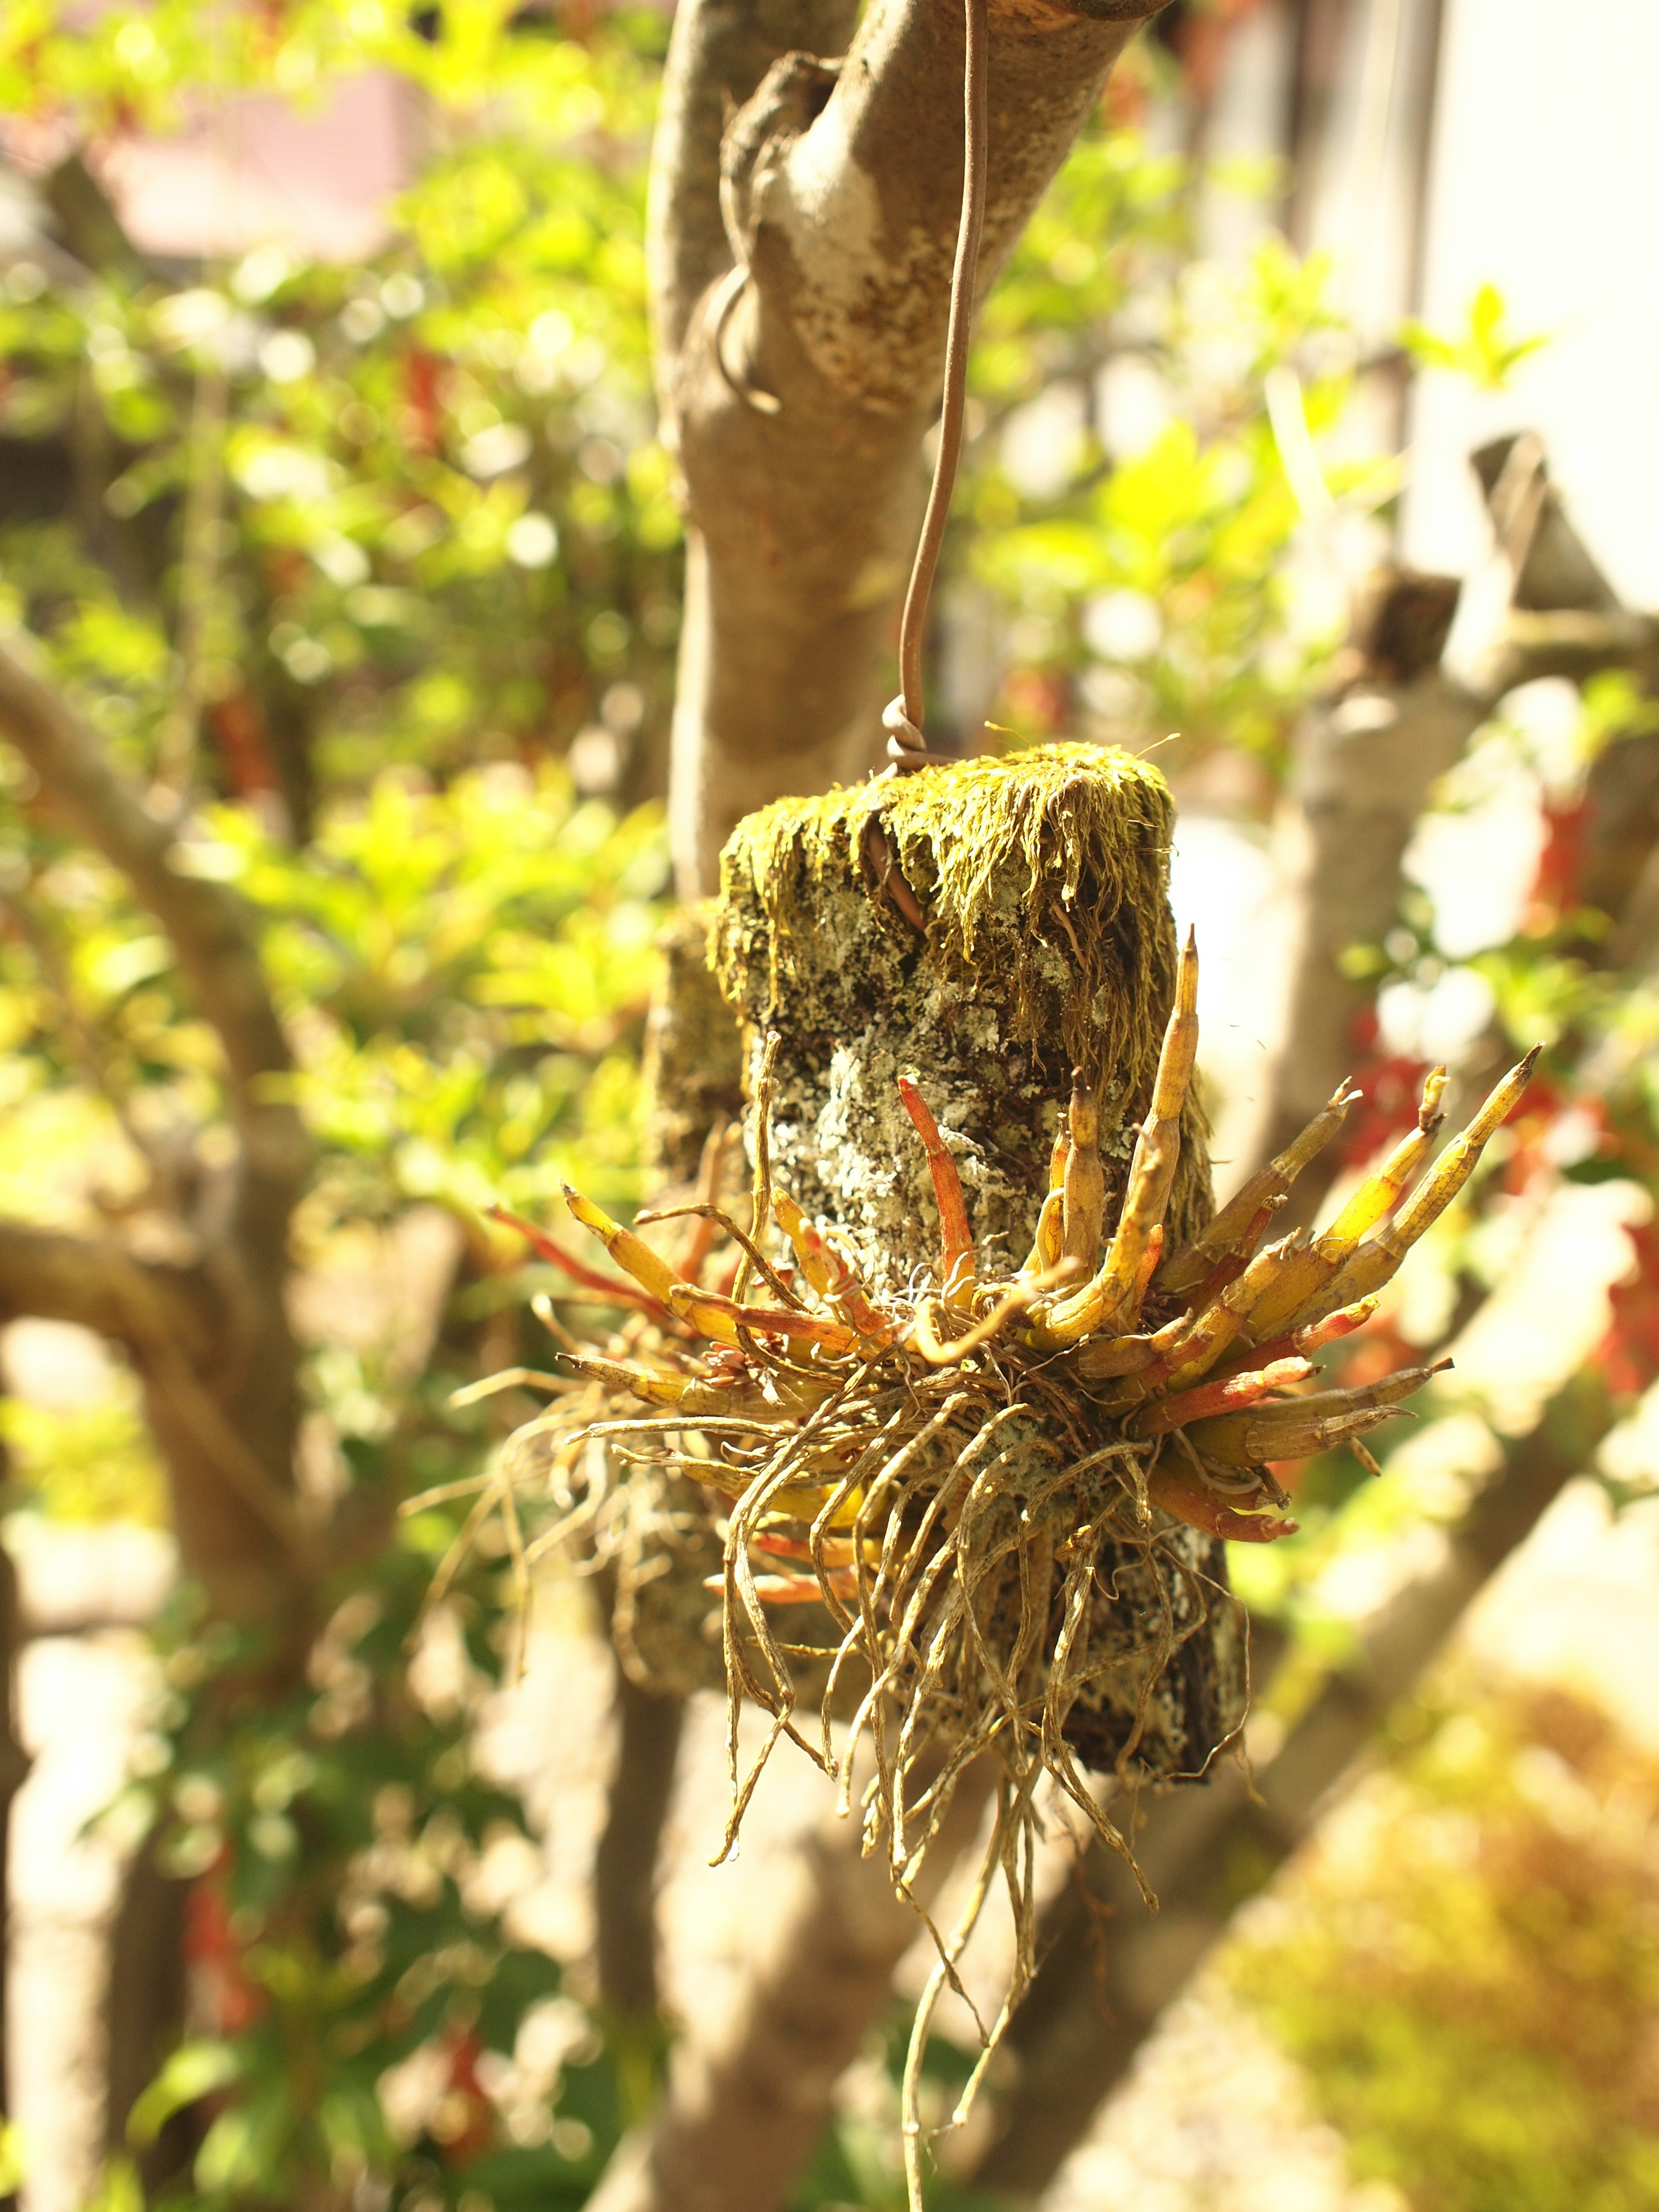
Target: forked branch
{"type": "Point", "coordinates": [204, 922]}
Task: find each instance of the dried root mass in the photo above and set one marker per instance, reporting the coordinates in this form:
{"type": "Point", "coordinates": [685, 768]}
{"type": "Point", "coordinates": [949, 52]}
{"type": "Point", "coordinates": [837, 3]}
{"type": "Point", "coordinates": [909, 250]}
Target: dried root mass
{"type": "Point", "coordinates": [1003, 1490]}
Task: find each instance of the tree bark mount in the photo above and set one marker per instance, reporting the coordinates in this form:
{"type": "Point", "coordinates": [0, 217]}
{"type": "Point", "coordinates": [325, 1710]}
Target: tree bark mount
{"type": "Point", "coordinates": [801, 266]}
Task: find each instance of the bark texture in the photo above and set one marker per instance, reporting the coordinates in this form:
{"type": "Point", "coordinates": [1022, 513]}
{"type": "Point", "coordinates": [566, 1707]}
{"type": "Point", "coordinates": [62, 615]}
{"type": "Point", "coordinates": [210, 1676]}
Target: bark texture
{"type": "Point", "coordinates": [648, 1727]}
{"type": "Point", "coordinates": [800, 260]}
{"type": "Point", "coordinates": [1041, 886]}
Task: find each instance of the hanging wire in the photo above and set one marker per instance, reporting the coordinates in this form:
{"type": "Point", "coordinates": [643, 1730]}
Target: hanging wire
{"type": "Point", "coordinates": [907, 746]}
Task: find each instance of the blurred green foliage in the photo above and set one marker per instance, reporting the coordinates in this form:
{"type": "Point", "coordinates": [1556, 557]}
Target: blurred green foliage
{"type": "Point", "coordinates": [1485, 349]}
{"type": "Point", "coordinates": [338, 516]}
{"type": "Point", "coordinates": [1469, 1968]}
{"type": "Point", "coordinates": [365, 2010]}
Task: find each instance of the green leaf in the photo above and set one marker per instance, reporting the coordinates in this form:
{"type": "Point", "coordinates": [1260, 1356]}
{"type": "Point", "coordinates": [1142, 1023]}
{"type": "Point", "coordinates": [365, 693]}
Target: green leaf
{"type": "Point", "coordinates": [193, 2071]}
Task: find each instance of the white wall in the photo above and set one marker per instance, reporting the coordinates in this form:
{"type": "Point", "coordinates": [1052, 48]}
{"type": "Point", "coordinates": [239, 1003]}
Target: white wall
{"type": "Point", "coordinates": [1546, 181]}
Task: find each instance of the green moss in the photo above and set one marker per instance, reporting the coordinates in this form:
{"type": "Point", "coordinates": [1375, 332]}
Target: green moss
{"type": "Point", "coordinates": [1067, 843]}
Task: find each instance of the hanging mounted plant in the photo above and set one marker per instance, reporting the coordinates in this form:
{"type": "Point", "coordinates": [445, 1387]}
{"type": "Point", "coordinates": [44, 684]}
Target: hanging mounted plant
{"type": "Point", "coordinates": [986, 1389]}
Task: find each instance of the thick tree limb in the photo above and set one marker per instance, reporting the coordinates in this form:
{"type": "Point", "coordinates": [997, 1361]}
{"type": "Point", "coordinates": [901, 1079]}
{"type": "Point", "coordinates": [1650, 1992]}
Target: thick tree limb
{"type": "Point", "coordinates": [1205, 1851]}
{"type": "Point", "coordinates": [648, 1727]}
{"type": "Point", "coordinates": [232, 1493]}
{"type": "Point", "coordinates": [747, 2101]}
{"type": "Point", "coordinates": [225, 1415]}
{"type": "Point", "coordinates": [97, 1286]}
{"type": "Point", "coordinates": [800, 354]}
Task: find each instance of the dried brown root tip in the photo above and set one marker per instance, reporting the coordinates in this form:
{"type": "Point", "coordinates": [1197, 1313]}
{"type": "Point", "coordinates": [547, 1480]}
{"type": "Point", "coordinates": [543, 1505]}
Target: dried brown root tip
{"type": "Point", "coordinates": [1210, 1399]}
{"type": "Point", "coordinates": [509, 1378]}
{"type": "Point", "coordinates": [1173, 1494]}
{"type": "Point", "coordinates": [957, 1256]}
{"type": "Point", "coordinates": [1367, 1460]}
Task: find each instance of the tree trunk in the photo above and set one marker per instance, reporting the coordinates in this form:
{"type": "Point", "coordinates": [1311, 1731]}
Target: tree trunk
{"type": "Point", "coordinates": [1419, 679]}
{"type": "Point", "coordinates": [750, 2096]}
{"type": "Point", "coordinates": [143, 2011]}
{"type": "Point", "coordinates": [800, 261]}
{"type": "Point", "coordinates": [648, 1727]}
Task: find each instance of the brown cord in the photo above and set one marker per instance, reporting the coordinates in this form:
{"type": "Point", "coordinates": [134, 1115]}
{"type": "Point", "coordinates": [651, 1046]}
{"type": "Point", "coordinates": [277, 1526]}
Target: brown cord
{"type": "Point", "coordinates": [907, 745]}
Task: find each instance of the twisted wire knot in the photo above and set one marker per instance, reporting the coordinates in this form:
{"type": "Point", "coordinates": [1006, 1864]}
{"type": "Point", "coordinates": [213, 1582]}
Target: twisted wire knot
{"type": "Point", "coordinates": [907, 748]}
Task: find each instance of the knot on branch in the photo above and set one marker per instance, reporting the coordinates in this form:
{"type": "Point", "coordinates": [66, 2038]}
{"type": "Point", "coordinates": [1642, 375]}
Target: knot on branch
{"type": "Point", "coordinates": [791, 97]}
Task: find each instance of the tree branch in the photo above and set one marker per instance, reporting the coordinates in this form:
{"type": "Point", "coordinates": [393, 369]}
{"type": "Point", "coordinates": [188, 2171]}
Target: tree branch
{"type": "Point", "coordinates": [54, 1276]}
{"type": "Point", "coordinates": [648, 1727]}
{"type": "Point", "coordinates": [720, 52]}
{"type": "Point", "coordinates": [801, 354]}
{"type": "Point", "coordinates": [206, 923]}
{"type": "Point", "coordinates": [747, 2101]}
